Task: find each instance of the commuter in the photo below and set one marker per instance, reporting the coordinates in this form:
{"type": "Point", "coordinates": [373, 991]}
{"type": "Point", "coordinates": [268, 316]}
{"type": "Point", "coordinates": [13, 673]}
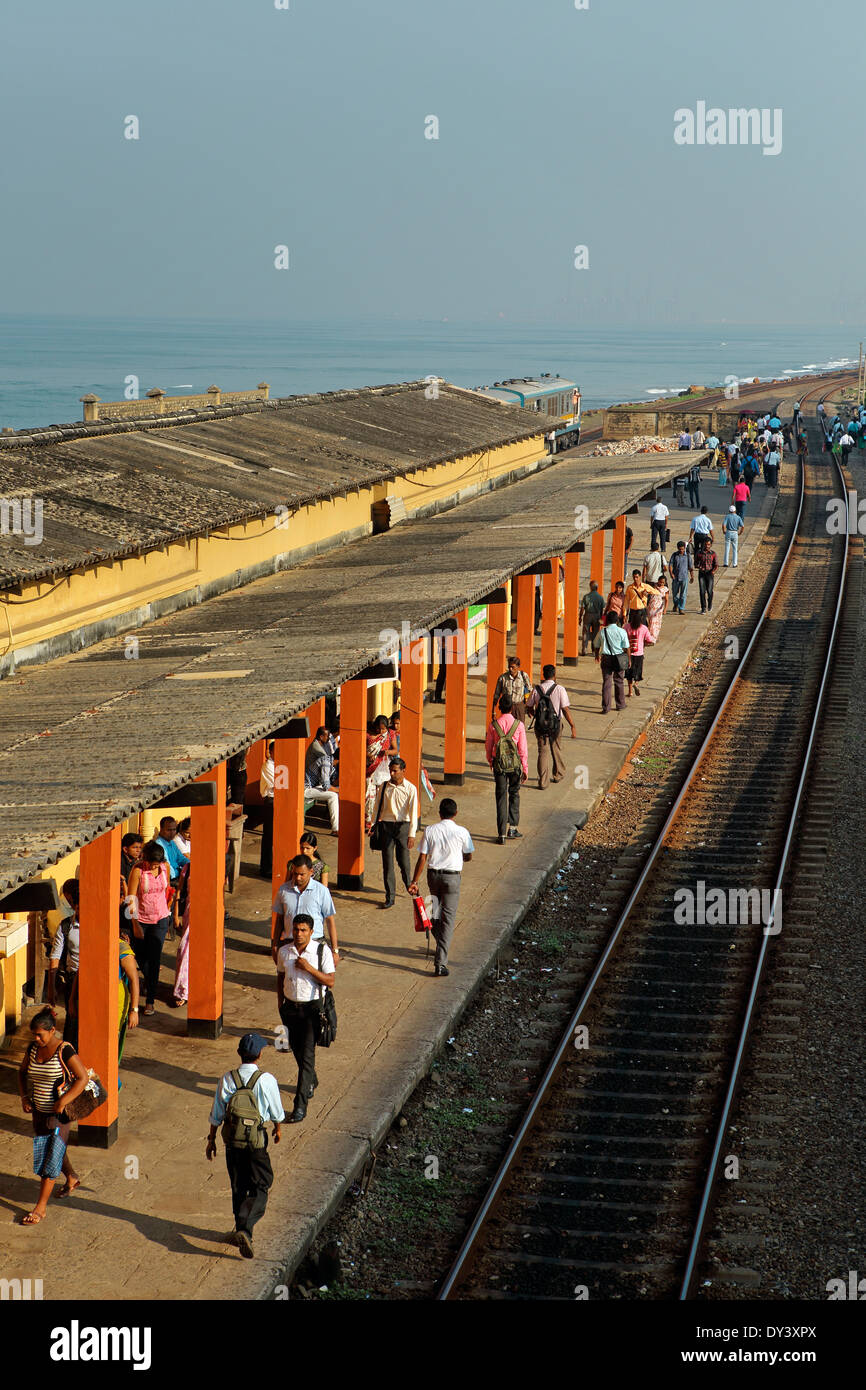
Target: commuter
{"type": "Point", "coordinates": [654, 565]}
{"type": "Point", "coordinates": [637, 635]}
{"type": "Point", "coordinates": [658, 523]}
{"type": "Point", "coordinates": [636, 596]}
{"type": "Point", "coordinates": [130, 853]}
{"type": "Point", "coordinates": [706, 564]}
{"type": "Point", "coordinates": [613, 654]}
{"type": "Point", "coordinates": [679, 488]}
{"type": "Point", "coordinates": [310, 847]}
{"type": "Point", "coordinates": [301, 893]}
{"type": "Point", "coordinates": [714, 446]}
{"type": "Point", "coordinates": [549, 705]}
{"type": "Point", "coordinates": [699, 439]}
{"type": "Point", "coordinates": [589, 615]}
{"type": "Point", "coordinates": [742, 494]}
{"type": "Point", "coordinates": [50, 1068]}
{"type": "Point", "coordinates": [629, 542]}
{"type": "Point", "coordinates": [381, 745]}
{"type": "Point", "coordinates": [732, 526]}
{"type": "Point", "coordinates": [395, 729]}
{"type": "Point", "coordinates": [695, 485]}
{"type": "Point", "coordinates": [505, 750]}
{"type": "Point", "coordinates": [149, 888]}
{"type": "Point", "coordinates": [702, 531]}
{"type": "Point", "coordinates": [246, 1098]}
{"type": "Point", "coordinates": [846, 444]}
{"type": "Point", "coordinates": [681, 572]}
{"type": "Point", "coordinates": [722, 458]}
{"type": "Point", "coordinates": [657, 606]}
{"type": "Point", "coordinates": [802, 447]}
{"type": "Point", "coordinates": [236, 778]}
{"type": "Point", "coordinates": [537, 628]}
{"type": "Point", "coordinates": [516, 683]}
{"type": "Point", "coordinates": [305, 970]}
{"type": "Point", "coordinates": [128, 996]}
{"type": "Point", "coordinates": [266, 788]}
{"type": "Point", "coordinates": [63, 957]}
{"type": "Point", "coordinates": [445, 642]}
{"type": "Point", "coordinates": [180, 993]}
{"type": "Point", "coordinates": [397, 813]}
{"type": "Point", "coordinates": [444, 848]}
{"type": "Point", "coordinates": [615, 601]}
{"type": "Point", "coordinates": [174, 857]}
{"type": "Point", "coordinates": [685, 440]}
{"type": "Point", "coordinates": [319, 774]}
{"type": "Point", "coordinates": [182, 836]}
{"type": "Point", "coordinates": [771, 468]}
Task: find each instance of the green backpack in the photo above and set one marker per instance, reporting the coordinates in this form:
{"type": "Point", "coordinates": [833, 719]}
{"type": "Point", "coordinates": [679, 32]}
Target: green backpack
{"type": "Point", "coordinates": [243, 1126]}
{"type": "Point", "coordinates": [506, 758]}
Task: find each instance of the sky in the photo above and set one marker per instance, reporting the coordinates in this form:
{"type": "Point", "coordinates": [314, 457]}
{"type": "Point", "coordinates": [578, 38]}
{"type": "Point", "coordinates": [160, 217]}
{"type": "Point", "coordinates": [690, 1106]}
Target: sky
{"type": "Point", "coordinates": [305, 128]}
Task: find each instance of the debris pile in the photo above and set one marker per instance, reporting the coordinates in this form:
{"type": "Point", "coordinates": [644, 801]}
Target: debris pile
{"type": "Point", "coordinates": [640, 444]}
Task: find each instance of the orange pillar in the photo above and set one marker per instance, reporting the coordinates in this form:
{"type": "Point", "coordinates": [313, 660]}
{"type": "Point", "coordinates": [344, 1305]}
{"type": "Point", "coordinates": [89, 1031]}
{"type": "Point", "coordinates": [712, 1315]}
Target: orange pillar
{"type": "Point", "coordinates": [571, 597]}
{"type": "Point", "coordinates": [206, 920]}
{"type": "Point", "coordinates": [617, 552]}
{"type": "Point", "coordinates": [316, 716]}
{"type": "Point", "coordinates": [353, 784]}
{"type": "Point", "coordinates": [550, 614]}
{"type": "Point", "coordinates": [98, 975]}
{"type": "Point", "coordinates": [525, 591]}
{"type": "Point", "coordinates": [497, 651]}
{"type": "Point", "coordinates": [596, 560]}
{"type": "Point", "coordinates": [413, 679]}
{"type": "Point", "coordinates": [454, 765]}
{"type": "Point", "coordinates": [289, 754]}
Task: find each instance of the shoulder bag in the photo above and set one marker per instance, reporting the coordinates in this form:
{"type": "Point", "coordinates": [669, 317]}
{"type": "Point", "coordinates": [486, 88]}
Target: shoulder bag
{"type": "Point", "coordinates": [90, 1099]}
{"type": "Point", "coordinates": [623, 659]}
{"type": "Point", "coordinates": [326, 1030]}
{"type": "Point", "coordinates": [377, 838]}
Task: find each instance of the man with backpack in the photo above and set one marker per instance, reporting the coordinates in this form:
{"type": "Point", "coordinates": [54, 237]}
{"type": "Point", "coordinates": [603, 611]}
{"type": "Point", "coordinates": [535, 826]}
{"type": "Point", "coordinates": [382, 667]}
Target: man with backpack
{"type": "Point", "coordinates": [549, 704]}
{"type": "Point", "coordinates": [505, 747]}
{"type": "Point", "coordinates": [245, 1100]}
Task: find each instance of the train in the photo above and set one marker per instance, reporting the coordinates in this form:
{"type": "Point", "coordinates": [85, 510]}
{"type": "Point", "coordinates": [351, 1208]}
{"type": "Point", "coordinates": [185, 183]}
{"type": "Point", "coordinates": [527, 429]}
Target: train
{"type": "Point", "coordinates": [552, 396]}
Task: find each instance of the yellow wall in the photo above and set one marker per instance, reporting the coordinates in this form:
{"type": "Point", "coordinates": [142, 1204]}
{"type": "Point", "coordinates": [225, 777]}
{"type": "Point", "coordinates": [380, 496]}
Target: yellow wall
{"type": "Point", "coordinates": [112, 589]}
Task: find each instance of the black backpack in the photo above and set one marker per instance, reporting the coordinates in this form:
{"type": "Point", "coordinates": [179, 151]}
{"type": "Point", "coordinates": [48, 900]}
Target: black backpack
{"type": "Point", "coordinates": [547, 722]}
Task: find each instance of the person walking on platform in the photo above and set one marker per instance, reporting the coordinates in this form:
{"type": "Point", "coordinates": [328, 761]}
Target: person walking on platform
{"type": "Point", "coordinates": [396, 812]}
{"type": "Point", "coordinates": [636, 598]}
{"type": "Point", "coordinates": [771, 468]}
{"type": "Point", "coordinates": [615, 602]}
{"type": "Point", "coordinates": [444, 848]}
{"type": "Point", "coordinates": [266, 790]}
{"type": "Point", "coordinates": [701, 533]}
{"type": "Point", "coordinates": [681, 572]}
{"type": "Point", "coordinates": [846, 444]}
{"type": "Point", "coordinates": [706, 564]}
{"type": "Point", "coordinates": [245, 1100]}
{"type": "Point", "coordinates": [505, 750]}
{"type": "Point", "coordinates": [613, 654]}
{"type": "Point", "coordinates": [549, 705]}
{"type": "Point", "coordinates": [302, 893]}
{"type": "Point", "coordinates": [637, 634]}
{"type": "Point", "coordinates": [658, 524]}
{"type": "Point", "coordinates": [516, 683]}
{"type": "Point", "coordinates": [732, 527]}
{"type": "Point", "coordinates": [742, 494]}
{"type": "Point", "coordinates": [589, 615]}
{"type": "Point", "coordinates": [685, 440]}
{"type": "Point", "coordinates": [695, 485]}
{"type": "Point", "coordinates": [305, 971]}
{"type": "Point", "coordinates": [654, 565]}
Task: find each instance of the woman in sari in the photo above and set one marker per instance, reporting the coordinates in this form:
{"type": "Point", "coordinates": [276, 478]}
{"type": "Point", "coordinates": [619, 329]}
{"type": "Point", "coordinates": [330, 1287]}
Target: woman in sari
{"type": "Point", "coordinates": [380, 743]}
{"type": "Point", "coordinates": [656, 607]}
{"type": "Point", "coordinates": [310, 846]}
{"type": "Point", "coordinates": [127, 995]}
{"type": "Point", "coordinates": [180, 992]}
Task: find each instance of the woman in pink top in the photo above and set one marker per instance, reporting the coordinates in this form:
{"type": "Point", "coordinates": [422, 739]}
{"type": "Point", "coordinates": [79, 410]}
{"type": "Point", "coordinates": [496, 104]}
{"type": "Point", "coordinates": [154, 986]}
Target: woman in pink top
{"type": "Point", "coordinates": [505, 747]}
{"type": "Point", "coordinates": [149, 886]}
{"type": "Point", "coordinates": [742, 494]}
{"type": "Point", "coordinates": [637, 636]}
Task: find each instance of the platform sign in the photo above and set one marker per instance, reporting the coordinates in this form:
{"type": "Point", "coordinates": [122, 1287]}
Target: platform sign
{"type": "Point", "coordinates": [477, 615]}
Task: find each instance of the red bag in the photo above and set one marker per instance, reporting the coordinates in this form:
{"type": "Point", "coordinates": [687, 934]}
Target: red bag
{"type": "Point", "coordinates": [422, 919]}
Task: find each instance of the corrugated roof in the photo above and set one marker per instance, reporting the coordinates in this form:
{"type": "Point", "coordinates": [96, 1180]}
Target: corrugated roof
{"type": "Point", "coordinates": [90, 739]}
{"type": "Point", "coordinates": [123, 489]}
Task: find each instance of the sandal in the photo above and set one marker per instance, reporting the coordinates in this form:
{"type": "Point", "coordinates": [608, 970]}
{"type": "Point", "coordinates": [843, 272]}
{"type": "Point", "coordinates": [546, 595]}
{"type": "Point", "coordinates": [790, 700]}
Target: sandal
{"type": "Point", "coordinates": [69, 1188]}
{"type": "Point", "coordinates": [149, 1010]}
{"type": "Point", "coordinates": [32, 1218]}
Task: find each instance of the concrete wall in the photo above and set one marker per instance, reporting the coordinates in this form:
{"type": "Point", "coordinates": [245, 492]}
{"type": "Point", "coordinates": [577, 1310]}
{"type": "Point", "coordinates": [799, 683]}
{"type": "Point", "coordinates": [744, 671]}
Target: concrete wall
{"type": "Point", "coordinates": [623, 424]}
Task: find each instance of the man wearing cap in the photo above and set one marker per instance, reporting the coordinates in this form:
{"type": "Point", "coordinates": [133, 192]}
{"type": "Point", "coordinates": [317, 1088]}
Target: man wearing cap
{"type": "Point", "coordinates": [250, 1171]}
{"type": "Point", "coordinates": [733, 525]}
{"type": "Point", "coordinates": [305, 970]}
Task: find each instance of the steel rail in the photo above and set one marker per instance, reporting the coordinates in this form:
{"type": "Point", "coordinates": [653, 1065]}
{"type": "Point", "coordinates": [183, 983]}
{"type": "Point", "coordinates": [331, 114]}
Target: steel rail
{"type": "Point", "coordinates": [458, 1269]}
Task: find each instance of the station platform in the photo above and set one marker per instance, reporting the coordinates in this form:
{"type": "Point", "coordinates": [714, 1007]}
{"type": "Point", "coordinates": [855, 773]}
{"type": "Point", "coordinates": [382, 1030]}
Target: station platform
{"type": "Point", "coordinates": [151, 1217]}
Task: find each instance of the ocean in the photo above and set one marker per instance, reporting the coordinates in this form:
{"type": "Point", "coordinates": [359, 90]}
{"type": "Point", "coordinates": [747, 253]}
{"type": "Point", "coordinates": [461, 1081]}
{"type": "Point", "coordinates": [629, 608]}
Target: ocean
{"type": "Point", "coordinates": [48, 363]}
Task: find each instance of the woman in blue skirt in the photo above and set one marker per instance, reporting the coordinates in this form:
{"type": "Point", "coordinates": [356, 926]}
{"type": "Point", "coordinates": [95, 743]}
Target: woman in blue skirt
{"type": "Point", "coordinates": [50, 1066]}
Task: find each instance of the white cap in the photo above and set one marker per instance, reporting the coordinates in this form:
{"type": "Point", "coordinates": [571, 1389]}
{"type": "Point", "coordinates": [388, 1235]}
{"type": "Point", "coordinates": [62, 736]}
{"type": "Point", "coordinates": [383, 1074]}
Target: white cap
{"type": "Point", "coordinates": [732, 509]}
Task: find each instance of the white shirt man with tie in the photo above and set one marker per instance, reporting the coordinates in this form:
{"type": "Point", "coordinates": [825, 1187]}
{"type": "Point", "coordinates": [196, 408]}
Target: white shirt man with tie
{"type": "Point", "coordinates": [305, 969]}
{"type": "Point", "coordinates": [445, 848]}
{"type": "Point", "coordinates": [396, 810]}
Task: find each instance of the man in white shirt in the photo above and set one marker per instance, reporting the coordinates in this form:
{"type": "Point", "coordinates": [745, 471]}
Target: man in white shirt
{"type": "Point", "coordinates": [847, 444]}
{"type": "Point", "coordinates": [266, 788]}
{"type": "Point", "coordinates": [445, 848]}
{"type": "Point", "coordinates": [699, 438]}
{"type": "Point", "coordinates": [396, 810]}
{"type": "Point", "coordinates": [305, 970]}
{"type": "Point", "coordinates": [249, 1168]}
{"type": "Point", "coordinates": [654, 565]}
{"type": "Point", "coordinates": [658, 524]}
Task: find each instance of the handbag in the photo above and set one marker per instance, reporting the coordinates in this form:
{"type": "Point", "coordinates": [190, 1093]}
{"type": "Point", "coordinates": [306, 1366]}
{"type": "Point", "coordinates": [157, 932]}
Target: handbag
{"type": "Point", "coordinates": [377, 837]}
{"type": "Point", "coordinates": [623, 659]}
{"type": "Point", "coordinates": [326, 1029]}
{"type": "Point", "coordinates": [93, 1095]}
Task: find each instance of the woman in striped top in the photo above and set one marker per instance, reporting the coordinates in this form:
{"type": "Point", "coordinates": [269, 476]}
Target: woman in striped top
{"type": "Point", "coordinates": [40, 1078]}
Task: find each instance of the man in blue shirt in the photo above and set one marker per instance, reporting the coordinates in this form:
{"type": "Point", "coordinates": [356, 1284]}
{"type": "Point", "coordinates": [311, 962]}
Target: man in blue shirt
{"type": "Point", "coordinates": [249, 1168]}
{"type": "Point", "coordinates": [175, 856]}
{"type": "Point", "coordinates": [681, 569]}
{"type": "Point", "coordinates": [732, 526]}
{"type": "Point", "coordinates": [302, 893]}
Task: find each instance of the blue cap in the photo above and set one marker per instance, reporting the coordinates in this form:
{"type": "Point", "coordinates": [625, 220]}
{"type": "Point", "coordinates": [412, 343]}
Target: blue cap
{"type": "Point", "coordinates": [251, 1044]}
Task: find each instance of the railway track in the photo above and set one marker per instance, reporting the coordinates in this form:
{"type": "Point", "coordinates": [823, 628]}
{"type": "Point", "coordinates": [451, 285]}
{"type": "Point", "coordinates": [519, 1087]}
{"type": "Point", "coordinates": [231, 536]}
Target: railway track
{"type": "Point", "coordinates": [606, 1188]}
